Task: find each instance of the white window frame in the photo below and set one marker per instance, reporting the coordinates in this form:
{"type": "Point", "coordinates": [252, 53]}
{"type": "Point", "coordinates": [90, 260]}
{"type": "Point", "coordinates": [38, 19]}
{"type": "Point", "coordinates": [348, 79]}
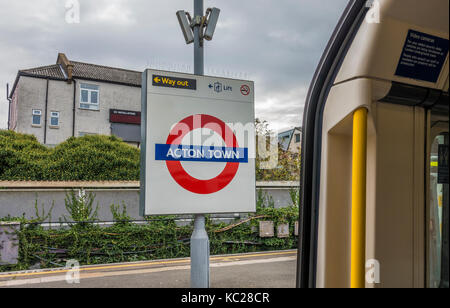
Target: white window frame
{"type": "Point", "coordinates": [36, 112]}
{"type": "Point", "coordinates": [54, 114]}
{"type": "Point", "coordinates": [90, 88]}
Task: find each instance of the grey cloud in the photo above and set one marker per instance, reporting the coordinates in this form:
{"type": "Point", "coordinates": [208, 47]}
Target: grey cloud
{"type": "Point", "coordinates": [276, 43]}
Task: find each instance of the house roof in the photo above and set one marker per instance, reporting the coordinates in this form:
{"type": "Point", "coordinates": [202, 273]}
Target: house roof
{"type": "Point", "coordinates": [52, 71]}
{"type": "Point", "coordinates": [88, 71]}
{"type": "Point", "coordinates": [290, 131]}
{"type": "Point", "coordinates": [107, 74]}
{"type": "Point", "coordinates": [85, 71]}
{"type": "Point", "coordinates": [285, 138]}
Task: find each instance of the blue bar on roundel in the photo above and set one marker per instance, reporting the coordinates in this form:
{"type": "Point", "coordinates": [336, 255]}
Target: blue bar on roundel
{"type": "Point", "coordinates": [169, 152]}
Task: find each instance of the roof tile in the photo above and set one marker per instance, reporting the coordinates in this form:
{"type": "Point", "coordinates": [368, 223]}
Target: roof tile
{"type": "Point", "coordinates": [89, 71]}
{"type": "Point", "coordinates": [105, 73]}
{"type": "Point", "coordinates": [53, 71]}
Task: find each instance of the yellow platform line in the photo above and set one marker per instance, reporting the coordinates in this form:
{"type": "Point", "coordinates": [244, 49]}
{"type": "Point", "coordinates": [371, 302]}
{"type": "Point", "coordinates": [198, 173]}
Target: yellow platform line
{"type": "Point", "coordinates": [168, 262]}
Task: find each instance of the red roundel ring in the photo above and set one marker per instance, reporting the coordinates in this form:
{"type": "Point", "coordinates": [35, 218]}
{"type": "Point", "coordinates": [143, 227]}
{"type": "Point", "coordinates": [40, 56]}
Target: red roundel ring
{"type": "Point", "coordinates": [203, 187]}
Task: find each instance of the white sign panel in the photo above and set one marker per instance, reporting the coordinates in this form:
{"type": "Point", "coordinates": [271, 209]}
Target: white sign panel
{"type": "Point", "coordinates": [198, 149]}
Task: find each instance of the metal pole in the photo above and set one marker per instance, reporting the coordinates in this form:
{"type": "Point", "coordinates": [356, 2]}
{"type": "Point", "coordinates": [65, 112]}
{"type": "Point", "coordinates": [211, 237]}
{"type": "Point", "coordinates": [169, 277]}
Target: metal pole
{"type": "Point", "coordinates": [9, 106]}
{"type": "Point", "coordinates": [358, 236]}
{"type": "Point", "coordinates": [199, 239]}
{"type": "Point", "coordinates": [199, 254]}
{"type": "Point", "coordinates": [198, 44]}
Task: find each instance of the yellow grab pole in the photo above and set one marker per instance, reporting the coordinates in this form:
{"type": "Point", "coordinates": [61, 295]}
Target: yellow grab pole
{"type": "Point", "coordinates": [358, 242]}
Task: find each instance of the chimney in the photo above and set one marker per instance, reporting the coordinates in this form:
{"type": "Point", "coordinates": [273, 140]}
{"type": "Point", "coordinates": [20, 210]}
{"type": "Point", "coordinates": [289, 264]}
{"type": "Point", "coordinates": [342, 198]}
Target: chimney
{"type": "Point", "coordinates": [66, 65]}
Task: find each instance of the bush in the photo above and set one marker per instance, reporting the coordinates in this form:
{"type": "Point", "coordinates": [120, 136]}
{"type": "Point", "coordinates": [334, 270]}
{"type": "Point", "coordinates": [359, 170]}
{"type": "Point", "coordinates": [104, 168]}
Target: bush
{"type": "Point", "coordinates": [99, 158]}
{"type": "Point", "coordinates": [88, 158]}
{"type": "Point", "coordinates": [80, 208]}
{"type": "Point", "coordinates": [125, 241]}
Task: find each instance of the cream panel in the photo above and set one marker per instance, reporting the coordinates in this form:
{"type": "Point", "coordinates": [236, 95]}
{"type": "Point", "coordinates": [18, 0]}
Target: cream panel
{"type": "Point", "coordinates": [335, 194]}
{"type": "Point", "coordinates": [395, 187]}
{"type": "Point", "coordinates": [377, 47]}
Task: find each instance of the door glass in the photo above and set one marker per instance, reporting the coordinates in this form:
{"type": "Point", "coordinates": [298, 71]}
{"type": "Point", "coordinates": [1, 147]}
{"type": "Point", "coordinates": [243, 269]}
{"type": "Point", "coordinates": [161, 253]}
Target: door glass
{"type": "Point", "coordinates": [438, 214]}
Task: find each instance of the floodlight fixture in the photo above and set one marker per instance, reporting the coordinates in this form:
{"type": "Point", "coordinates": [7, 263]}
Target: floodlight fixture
{"type": "Point", "coordinates": [211, 23]}
{"type": "Point", "coordinates": [185, 24]}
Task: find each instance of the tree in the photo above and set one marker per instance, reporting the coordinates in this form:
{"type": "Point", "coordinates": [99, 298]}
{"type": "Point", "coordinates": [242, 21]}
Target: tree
{"type": "Point", "coordinates": [287, 167]}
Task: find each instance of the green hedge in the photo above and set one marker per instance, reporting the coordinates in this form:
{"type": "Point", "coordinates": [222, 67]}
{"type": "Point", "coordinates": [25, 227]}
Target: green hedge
{"type": "Point", "coordinates": [88, 158]}
{"type": "Point", "coordinates": [96, 158]}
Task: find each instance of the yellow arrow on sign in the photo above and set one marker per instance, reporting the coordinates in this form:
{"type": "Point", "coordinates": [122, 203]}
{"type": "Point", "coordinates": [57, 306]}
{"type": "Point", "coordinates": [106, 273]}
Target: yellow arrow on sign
{"type": "Point", "coordinates": [157, 80]}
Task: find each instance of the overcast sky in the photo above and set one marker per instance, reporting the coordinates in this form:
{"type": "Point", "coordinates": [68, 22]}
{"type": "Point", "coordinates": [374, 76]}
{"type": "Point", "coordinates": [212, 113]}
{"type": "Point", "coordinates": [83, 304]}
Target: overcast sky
{"type": "Point", "coordinates": [276, 43]}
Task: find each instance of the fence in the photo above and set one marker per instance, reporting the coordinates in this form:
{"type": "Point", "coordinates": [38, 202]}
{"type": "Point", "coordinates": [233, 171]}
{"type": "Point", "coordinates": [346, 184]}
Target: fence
{"type": "Point", "coordinates": [19, 198]}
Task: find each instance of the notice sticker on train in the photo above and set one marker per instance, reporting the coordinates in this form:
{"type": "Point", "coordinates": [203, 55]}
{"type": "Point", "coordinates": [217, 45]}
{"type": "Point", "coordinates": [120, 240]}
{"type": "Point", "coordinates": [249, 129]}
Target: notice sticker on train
{"type": "Point", "coordinates": [423, 57]}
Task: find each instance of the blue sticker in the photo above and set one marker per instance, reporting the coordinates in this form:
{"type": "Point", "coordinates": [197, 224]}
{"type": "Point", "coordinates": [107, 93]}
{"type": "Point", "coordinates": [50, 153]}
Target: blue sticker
{"type": "Point", "coordinates": [423, 57]}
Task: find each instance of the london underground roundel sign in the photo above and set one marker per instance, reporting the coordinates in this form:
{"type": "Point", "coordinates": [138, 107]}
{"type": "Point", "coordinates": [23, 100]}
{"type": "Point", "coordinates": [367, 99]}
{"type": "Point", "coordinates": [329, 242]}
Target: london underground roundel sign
{"type": "Point", "coordinates": [173, 152]}
{"type": "Point", "coordinates": [182, 175]}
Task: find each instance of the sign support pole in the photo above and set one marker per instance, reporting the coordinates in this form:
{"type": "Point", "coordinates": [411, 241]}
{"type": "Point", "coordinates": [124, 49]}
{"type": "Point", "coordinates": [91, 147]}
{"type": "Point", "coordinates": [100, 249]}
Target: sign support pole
{"type": "Point", "coordinates": [198, 40]}
{"type": "Point", "coordinates": [199, 240]}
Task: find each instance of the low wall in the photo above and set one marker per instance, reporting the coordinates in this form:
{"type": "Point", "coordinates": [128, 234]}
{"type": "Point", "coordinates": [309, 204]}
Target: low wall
{"type": "Point", "coordinates": [18, 198]}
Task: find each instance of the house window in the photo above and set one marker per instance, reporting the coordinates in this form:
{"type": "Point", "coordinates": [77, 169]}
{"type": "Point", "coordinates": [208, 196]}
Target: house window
{"type": "Point", "coordinates": [37, 117]}
{"type": "Point", "coordinates": [54, 119]}
{"type": "Point", "coordinates": [89, 96]}
{"type": "Point", "coordinates": [297, 138]}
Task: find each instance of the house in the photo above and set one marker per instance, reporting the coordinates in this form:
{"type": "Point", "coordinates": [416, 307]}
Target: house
{"type": "Point", "coordinates": [291, 140]}
{"type": "Point", "coordinates": [71, 99]}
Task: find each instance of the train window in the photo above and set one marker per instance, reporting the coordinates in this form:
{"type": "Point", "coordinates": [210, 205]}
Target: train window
{"type": "Point", "coordinates": [438, 214]}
